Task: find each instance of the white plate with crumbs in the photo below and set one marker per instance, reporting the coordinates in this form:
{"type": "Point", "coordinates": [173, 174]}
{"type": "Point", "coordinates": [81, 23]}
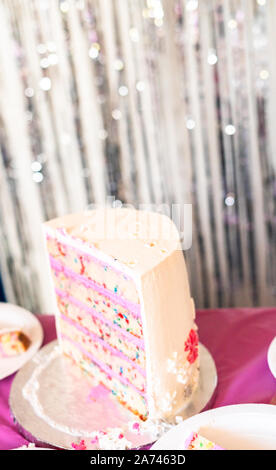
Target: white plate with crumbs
{"type": "Point", "coordinates": [17, 318]}
{"type": "Point", "coordinates": [234, 427]}
{"type": "Point", "coordinates": [271, 357]}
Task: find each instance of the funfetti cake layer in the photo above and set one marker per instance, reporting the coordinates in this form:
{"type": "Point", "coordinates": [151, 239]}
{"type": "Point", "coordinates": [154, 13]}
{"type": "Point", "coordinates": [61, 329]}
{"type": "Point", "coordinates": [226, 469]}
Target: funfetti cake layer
{"type": "Point", "coordinates": [197, 442]}
{"type": "Point", "coordinates": [124, 310]}
{"type": "Point", "coordinates": [13, 342]}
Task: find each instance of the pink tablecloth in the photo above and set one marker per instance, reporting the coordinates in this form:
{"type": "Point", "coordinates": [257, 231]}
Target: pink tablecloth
{"type": "Point", "coordinates": [238, 340]}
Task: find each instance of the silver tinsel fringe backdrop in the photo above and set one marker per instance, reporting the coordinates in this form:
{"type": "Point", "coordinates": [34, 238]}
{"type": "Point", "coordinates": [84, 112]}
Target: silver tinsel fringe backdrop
{"type": "Point", "coordinates": [149, 101]}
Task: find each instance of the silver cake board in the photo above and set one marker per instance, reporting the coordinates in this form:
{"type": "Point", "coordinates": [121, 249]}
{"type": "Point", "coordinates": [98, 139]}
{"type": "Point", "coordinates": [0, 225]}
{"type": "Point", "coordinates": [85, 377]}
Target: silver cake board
{"type": "Point", "coordinates": [53, 404]}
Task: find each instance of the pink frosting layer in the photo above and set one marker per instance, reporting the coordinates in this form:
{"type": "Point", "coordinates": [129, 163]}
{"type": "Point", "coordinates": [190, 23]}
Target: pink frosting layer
{"type": "Point", "coordinates": [117, 299]}
{"type": "Point", "coordinates": [91, 311]}
{"type": "Point", "coordinates": [97, 339]}
{"type": "Point", "coordinates": [103, 366]}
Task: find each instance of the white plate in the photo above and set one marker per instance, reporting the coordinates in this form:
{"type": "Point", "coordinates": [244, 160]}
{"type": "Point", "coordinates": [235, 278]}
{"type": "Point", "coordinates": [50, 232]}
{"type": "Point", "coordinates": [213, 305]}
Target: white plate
{"type": "Point", "coordinates": [271, 357]}
{"type": "Point", "coordinates": [243, 427]}
{"type": "Point", "coordinates": [12, 316]}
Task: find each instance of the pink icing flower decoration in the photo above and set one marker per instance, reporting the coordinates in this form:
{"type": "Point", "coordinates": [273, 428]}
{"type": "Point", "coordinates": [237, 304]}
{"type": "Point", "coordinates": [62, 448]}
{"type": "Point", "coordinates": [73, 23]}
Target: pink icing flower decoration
{"type": "Point", "coordinates": [191, 346]}
{"type": "Point", "coordinates": [80, 446]}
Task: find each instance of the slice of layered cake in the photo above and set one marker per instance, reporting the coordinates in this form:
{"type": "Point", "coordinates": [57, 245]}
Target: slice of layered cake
{"type": "Point", "coordinates": [125, 315]}
{"type": "Point", "coordinates": [197, 442]}
{"type": "Point", "coordinates": [13, 342]}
